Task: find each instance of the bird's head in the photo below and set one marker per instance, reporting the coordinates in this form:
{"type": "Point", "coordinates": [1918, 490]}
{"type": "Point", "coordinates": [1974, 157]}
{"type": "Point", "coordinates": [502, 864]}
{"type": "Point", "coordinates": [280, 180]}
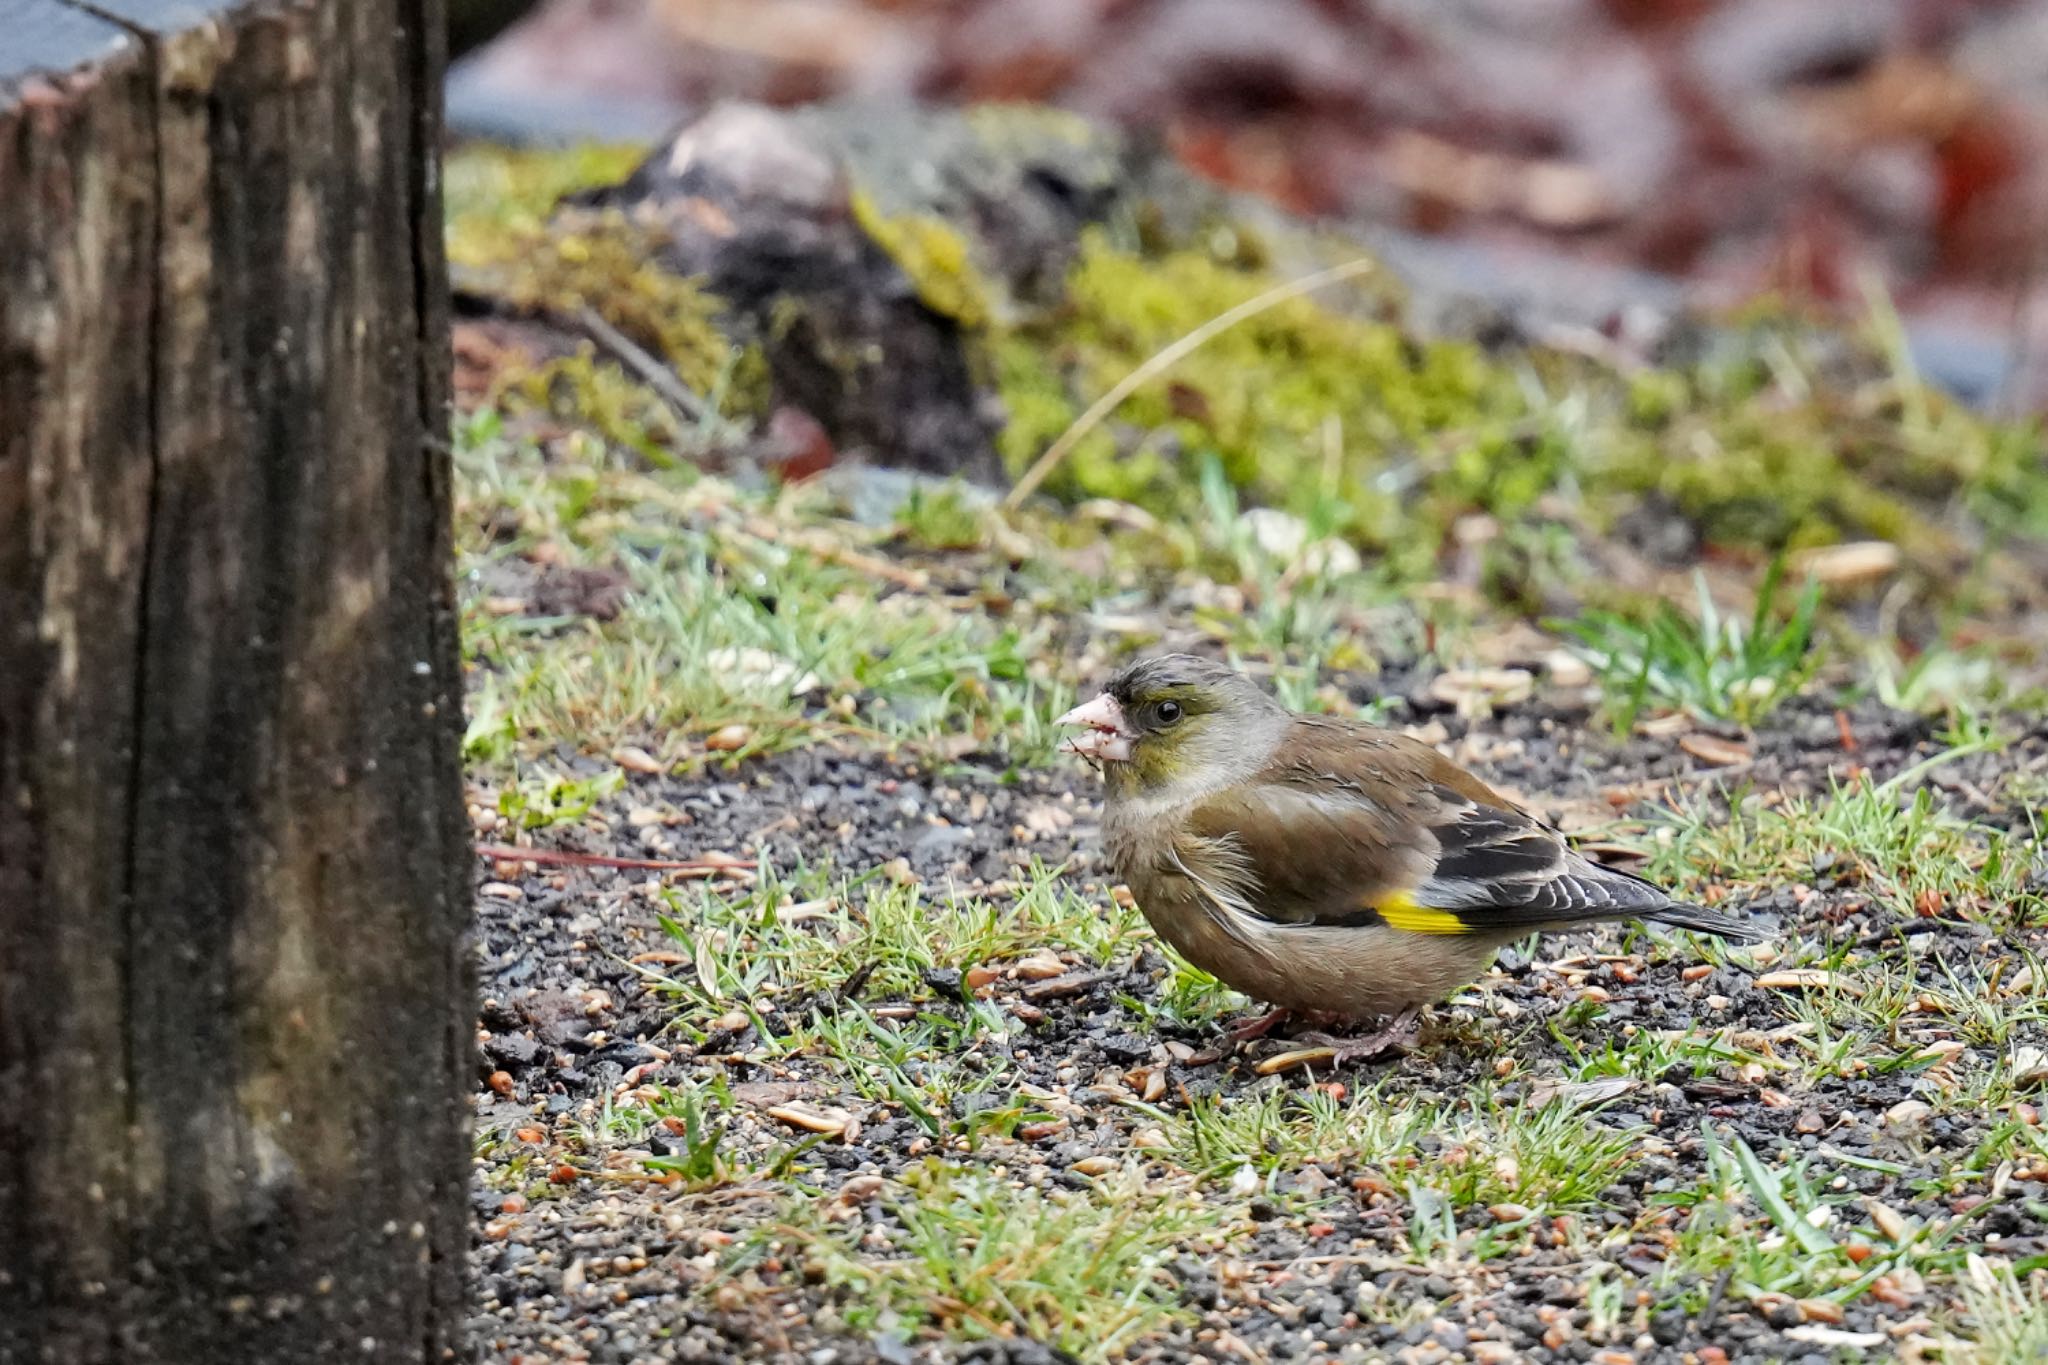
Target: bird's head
{"type": "Point", "coordinates": [1175, 721]}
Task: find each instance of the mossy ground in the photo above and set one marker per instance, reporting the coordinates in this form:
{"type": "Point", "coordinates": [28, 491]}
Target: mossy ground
{"type": "Point", "coordinates": [1329, 408]}
{"type": "Point", "coordinates": [902, 1073]}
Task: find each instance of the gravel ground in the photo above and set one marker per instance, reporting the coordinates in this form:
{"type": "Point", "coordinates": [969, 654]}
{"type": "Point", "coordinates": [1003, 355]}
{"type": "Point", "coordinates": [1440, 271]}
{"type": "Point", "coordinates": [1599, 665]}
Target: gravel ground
{"type": "Point", "coordinates": [585, 1251]}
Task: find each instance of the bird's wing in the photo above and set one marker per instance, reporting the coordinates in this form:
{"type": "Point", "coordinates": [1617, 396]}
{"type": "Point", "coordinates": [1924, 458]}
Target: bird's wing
{"type": "Point", "coordinates": [1350, 825]}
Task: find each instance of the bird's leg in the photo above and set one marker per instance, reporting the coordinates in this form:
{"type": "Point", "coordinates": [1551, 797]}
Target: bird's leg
{"type": "Point", "coordinates": [1398, 1035]}
{"type": "Point", "coordinates": [1259, 1027]}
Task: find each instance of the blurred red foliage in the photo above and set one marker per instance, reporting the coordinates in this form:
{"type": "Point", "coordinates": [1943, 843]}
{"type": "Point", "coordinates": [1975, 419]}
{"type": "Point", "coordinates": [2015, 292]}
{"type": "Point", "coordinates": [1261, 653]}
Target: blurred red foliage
{"type": "Point", "coordinates": [1743, 144]}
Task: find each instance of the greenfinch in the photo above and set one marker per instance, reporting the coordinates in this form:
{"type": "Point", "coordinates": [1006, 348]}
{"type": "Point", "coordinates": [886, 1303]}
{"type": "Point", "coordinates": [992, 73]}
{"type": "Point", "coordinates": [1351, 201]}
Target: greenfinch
{"type": "Point", "coordinates": [1325, 866]}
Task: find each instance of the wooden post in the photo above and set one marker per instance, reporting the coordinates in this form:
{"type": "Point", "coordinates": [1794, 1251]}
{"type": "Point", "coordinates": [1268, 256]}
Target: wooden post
{"type": "Point", "coordinates": [235, 995]}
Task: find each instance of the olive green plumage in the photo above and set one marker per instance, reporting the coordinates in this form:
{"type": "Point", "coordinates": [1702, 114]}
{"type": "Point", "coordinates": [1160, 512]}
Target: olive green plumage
{"type": "Point", "coordinates": [1322, 864]}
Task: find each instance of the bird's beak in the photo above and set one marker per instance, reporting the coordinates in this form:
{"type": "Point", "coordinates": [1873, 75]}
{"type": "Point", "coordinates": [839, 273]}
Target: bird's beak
{"type": "Point", "coordinates": [1108, 736]}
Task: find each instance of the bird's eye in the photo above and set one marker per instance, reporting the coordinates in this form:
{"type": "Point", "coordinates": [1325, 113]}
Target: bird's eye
{"type": "Point", "coordinates": [1169, 712]}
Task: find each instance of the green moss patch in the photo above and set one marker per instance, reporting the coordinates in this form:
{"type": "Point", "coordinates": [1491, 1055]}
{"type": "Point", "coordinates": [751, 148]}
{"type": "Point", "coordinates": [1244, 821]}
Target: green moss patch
{"type": "Point", "coordinates": [1316, 408]}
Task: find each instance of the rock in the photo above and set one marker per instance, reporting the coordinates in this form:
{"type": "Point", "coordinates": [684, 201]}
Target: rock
{"type": "Point", "coordinates": [936, 841]}
{"type": "Point", "coordinates": [816, 229]}
{"type": "Point", "coordinates": [511, 1051]}
{"type": "Point", "coordinates": [943, 981]}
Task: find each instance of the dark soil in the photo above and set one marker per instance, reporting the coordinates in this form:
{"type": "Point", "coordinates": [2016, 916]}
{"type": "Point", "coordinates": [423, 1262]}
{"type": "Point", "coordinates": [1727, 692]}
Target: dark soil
{"type": "Point", "coordinates": [578, 1256]}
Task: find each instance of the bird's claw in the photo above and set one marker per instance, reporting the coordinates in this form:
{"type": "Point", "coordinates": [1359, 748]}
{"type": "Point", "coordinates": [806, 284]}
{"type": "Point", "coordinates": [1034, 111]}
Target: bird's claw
{"type": "Point", "coordinates": [1398, 1035]}
{"type": "Point", "coordinates": [1252, 1029]}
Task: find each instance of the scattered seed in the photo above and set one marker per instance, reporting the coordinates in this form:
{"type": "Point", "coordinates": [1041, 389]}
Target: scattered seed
{"type": "Point", "coordinates": [1834, 1336]}
{"type": "Point", "coordinates": [501, 891]}
{"type": "Point", "coordinates": [1475, 692]}
{"type": "Point", "coordinates": [1038, 1132]}
{"type": "Point", "coordinates": [633, 758]}
{"type": "Point", "coordinates": [501, 1081]}
{"type": "Point", "coordinates": [1908, 1114]}
{"type": "Point", "coordinates": [1888, 1221]}
{"type": "Point", "coordinates": [1094, 1165]}
{"type": "Point", "coordinates": [1579, 1094]}
{"type": "Point", "coordinates": [1040, 966]}
{"type": "Point", "coordinates": [1713, 750]}
{"type": "Point", "coordinates": [1290, 1061]}
{"type": "Point", "coordinates": [1852, 562]}
{"type": "Point", "coordinates": [1078, 984]}
{"type": "Point", "coordinates": [832, 1122]}
{"type": "Point", "coordinates": [728, 738]}
{"type": "Point", "coordinates": [1796, 979]}
{"type": "Point", "coordinates": [1697, 972]}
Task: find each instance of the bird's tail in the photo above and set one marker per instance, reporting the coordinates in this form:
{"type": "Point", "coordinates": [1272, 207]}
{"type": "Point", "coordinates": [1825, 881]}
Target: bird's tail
{"type": "Point", "coordinates": [1701, 920]}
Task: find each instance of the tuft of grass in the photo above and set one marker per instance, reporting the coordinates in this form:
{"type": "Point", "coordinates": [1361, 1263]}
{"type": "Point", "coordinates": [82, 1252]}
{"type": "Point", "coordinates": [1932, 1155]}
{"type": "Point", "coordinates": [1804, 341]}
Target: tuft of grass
{"type": "Point", "coordinates": [802, 932]}
{"type": "Point", "coordinates": [1714, 666]}
{"type": "Point", "coordinates": [1547, 1157]}
{"type": "Point", "coordinates": [1893, 839]}
{"type": "Point", "coordinates": [536, 799]}
{"type": "Point", "coordinates": [2008, 1316]}
{"type": "Point", "coordinates": [801, 641]}
{"type": "Point", "coordinates": [966, 1253]}
{"type": "Point", "coordinates": [701, 1155]}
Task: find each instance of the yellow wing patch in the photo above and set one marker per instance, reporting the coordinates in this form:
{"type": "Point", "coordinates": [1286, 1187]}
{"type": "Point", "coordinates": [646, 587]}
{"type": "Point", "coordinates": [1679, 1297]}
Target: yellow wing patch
{"type": "Point", "coordinates": [1401, 912]}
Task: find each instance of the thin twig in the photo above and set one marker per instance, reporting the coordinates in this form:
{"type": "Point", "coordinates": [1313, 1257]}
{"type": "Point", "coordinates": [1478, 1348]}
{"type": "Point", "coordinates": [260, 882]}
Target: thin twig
{"type": "Point", "coordinates": [562, 857]}
{"type": "Point", "coordinates": [1166, 359]}
{"type": "Point", "coordinates": [635, 357]}
{"type": "Point", "coordinates": [822, 546]}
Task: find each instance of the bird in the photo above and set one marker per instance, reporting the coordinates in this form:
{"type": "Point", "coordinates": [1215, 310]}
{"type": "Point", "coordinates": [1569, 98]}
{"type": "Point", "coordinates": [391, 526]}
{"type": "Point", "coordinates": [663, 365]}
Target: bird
{"type": "Point", "coordinates": [1335, 870]}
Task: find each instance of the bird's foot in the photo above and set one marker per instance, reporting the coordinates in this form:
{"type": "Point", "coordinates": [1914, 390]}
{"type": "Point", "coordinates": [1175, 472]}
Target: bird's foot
{"type": "Point", "coordinates": [1398, 1035]}
{"type": "Point", "coordinates": [1258, 1028]}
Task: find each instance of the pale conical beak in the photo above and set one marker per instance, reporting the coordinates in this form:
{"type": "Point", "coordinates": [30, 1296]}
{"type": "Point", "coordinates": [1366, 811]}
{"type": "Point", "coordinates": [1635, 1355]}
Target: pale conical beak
{"type": "Point", "coordinates": [1108, 736]}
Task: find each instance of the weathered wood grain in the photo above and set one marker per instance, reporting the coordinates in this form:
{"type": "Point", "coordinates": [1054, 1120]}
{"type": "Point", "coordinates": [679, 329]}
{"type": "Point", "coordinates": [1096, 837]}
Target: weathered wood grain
{"type": "Point", "coordinates": [234, 993]}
